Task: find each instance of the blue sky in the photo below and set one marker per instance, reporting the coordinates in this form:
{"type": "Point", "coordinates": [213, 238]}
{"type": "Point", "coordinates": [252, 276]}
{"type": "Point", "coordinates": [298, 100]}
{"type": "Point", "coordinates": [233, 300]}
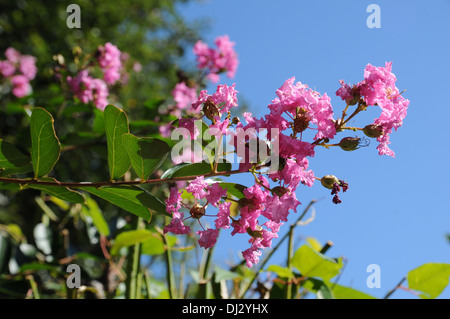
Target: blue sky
{"type": "Point", "coordinates": [396, 211]}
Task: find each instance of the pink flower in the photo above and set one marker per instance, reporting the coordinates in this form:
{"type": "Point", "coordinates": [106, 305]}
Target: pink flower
{"type": "Point", "coordinates": [173, 203]}
{"type": "Point", "coordinates": [224, 98]}
{"type": "Point", "coordinates": [12, 55]}
{"type": "Point", "coordinates": [100, 93]}
{"type": "Point", "coordinates": [277, 208]}
{"type": "Point", "coordinates": [7, 68]}
{"type": "Point", "coordinates": [184, 96]}
{"type": "Point", "coordinates": [110, 62]}
{"type": "Point", "coordinates": [215, 194]}
{"type": "Point", "coordinates": [294, 173]}
{"type": "Point", "coordinates": [21, 86]}
{"type": "Point", "coordinates": [222, 59]}
{"type": "Point", "coordinates": [378, 87]}
{"type": "Point", "coordinates": [165, 130]}
{"type": "Point", "coordinates": [208, 238]}
{"type": "Point", "coordinates": [88, 89]}
{"type": "Point", "coordinates": [28, 66]}
{"type": "Point", "coordinates": [318, 110]}
{"type": "Point", "coordinates": [251, 256]}
{"type": "Point", "coordinates": [176, 225]}
{"type": "Point", "coordinates": [223, 216]}
{"type": "Point", "coordinates": [189, 124]}
{"type": "Point", "coordinates": [197, 187]}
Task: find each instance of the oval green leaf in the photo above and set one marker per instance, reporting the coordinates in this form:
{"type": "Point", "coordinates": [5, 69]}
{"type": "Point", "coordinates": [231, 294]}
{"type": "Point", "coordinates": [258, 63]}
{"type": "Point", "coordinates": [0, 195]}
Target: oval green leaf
{"type": "Point", "coordinates": [194, 169]}
{"type": "Point", "coordinates": [430, 278]}
{"type": "Point", "coordinates": [11, 157]}
{"type": "Point", "coordinates": [116, 125]}
{"type": "Point", "coordinates": [130, 198]}
{"type": "Point", "coordinates": [146, 154]}
{"type": "Point", "coordinates": [129, 238]}
{"type": "Point", "coordinates": [311, 263]}
{"type": "Point", "coordinates": [45, 146]}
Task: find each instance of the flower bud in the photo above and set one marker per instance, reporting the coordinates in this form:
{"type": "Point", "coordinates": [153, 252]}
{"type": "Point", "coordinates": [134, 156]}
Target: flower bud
{"type": "Point", "coordinates": [301, 121]}
{"type": "Point", "coordinates": [257, 233]}
{"type": "Point", "coordinates": [210, 109]}
{"type": "Point", "coordinates": [349, 143]}
{"type": "Point", "coordinates": [197, 211]}
{"type": "Point", "coordinates": [328, 181]}
{"type": "Point", "coordinates": [280, 190]}
{"type": "Point", "coordinates": [373, 130]}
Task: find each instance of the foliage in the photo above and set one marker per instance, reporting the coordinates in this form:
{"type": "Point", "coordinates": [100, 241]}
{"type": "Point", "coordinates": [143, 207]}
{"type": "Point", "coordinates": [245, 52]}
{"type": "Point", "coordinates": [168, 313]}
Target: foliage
{"type": "Point", "coordinates": [93, 185]}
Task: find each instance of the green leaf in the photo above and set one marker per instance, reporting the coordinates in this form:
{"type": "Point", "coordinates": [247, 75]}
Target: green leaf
{"type": "Point", "coordinates": [223, 274]}
{"type": "Point", "coordinates": [319, 288]}
{"type": "Point", "coordinates": [92, 210]}
{"type": "Point", "coordinates": [342, 292]}
{"type": "Point", "coordinates": [45, 146]}
{"type": "Point", "coordinates": [195, 169]}
{"type": "Point", "coordinates": [430, 278]}
{"type": "Point", "coordinates": [155, 244]}
{"type": "Point", "coordinates": [63, 193]}
{"type": "Point", "coordinates": [236, 190]}
{"type": "Point", "coordinates": [129, 238]}
{"type": "Point", "coordinates": [11, 157]}
{"type": "Point", "coordinates": [130, 198]}
{"type": "Point", "coordinates": [116, 124]}
{"type": "Point", "coordinates": [146, 154]}
{"type": "Point", "coordinates": [314, 243]}
{"type": "Point", "coordinates": [281, 271]}
{"type": "Point", "coordinates": [311, 263]}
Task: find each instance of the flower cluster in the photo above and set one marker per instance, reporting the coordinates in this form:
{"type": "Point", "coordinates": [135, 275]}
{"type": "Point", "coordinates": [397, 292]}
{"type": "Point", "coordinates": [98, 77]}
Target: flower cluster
{"type": "Point", "coordinates": [378, 88]}
{"type": "Point", "coordinates": [90, 89]}
{"type": "Point", "coordinates": [109, 59]}
{"type": "Point", "coordinates": [19, 70]}
{"type": "Point", "coordinates": [296, 113]}
{"type": "Point", "coordinates": [215, 61]}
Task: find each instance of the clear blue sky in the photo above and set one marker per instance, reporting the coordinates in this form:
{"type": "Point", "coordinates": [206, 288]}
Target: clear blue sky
{"type": "Point", "coordinates": [396, 212]}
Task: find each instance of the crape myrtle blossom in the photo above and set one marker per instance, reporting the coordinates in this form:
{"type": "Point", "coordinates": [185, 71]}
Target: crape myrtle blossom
{"type": "Point", "coordinates": [266, 205]}
{"type": "Point", "coordinates": [215, 61]}
{"type": "Point", "coordinates": [109, 59]}
{"type": "Point", "coordinates": [88, 89]}
{"type": "Point", "coordinates": [18, 70]}
{"type": "Point", "coordinates": [183, 96]}
{"type": "Point", "coordinates": [378, 88]}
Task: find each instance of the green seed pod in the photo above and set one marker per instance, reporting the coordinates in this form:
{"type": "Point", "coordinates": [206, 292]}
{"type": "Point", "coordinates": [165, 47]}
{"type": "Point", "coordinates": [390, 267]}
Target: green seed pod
{"type": "Point", "coordinates": [373, 130]}
{"type": "Point", "coordinates": [349, 143]}
{"type": "Point", "coordinates": [328, 181]}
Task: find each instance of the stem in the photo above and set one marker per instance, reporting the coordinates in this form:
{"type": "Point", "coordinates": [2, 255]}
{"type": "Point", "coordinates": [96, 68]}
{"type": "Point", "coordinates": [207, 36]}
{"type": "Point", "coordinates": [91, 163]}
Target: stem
{"type": "Point", "coordinates": [216, 159]}
{"type": "Point", "coordinates": [290, 253]}
{"type": "Point", "coordinates": [276, 248]}
{"type": "Point", "coordinates": [133, 265]}
{"type": "Point", "coordinates": [34, 287]}
{"type": "Point", "coordinates": [23, 181]}
{"type": "Point", "coordinates": [169, 274]}
{"type": "Point", "coordinates": [395, 288]}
